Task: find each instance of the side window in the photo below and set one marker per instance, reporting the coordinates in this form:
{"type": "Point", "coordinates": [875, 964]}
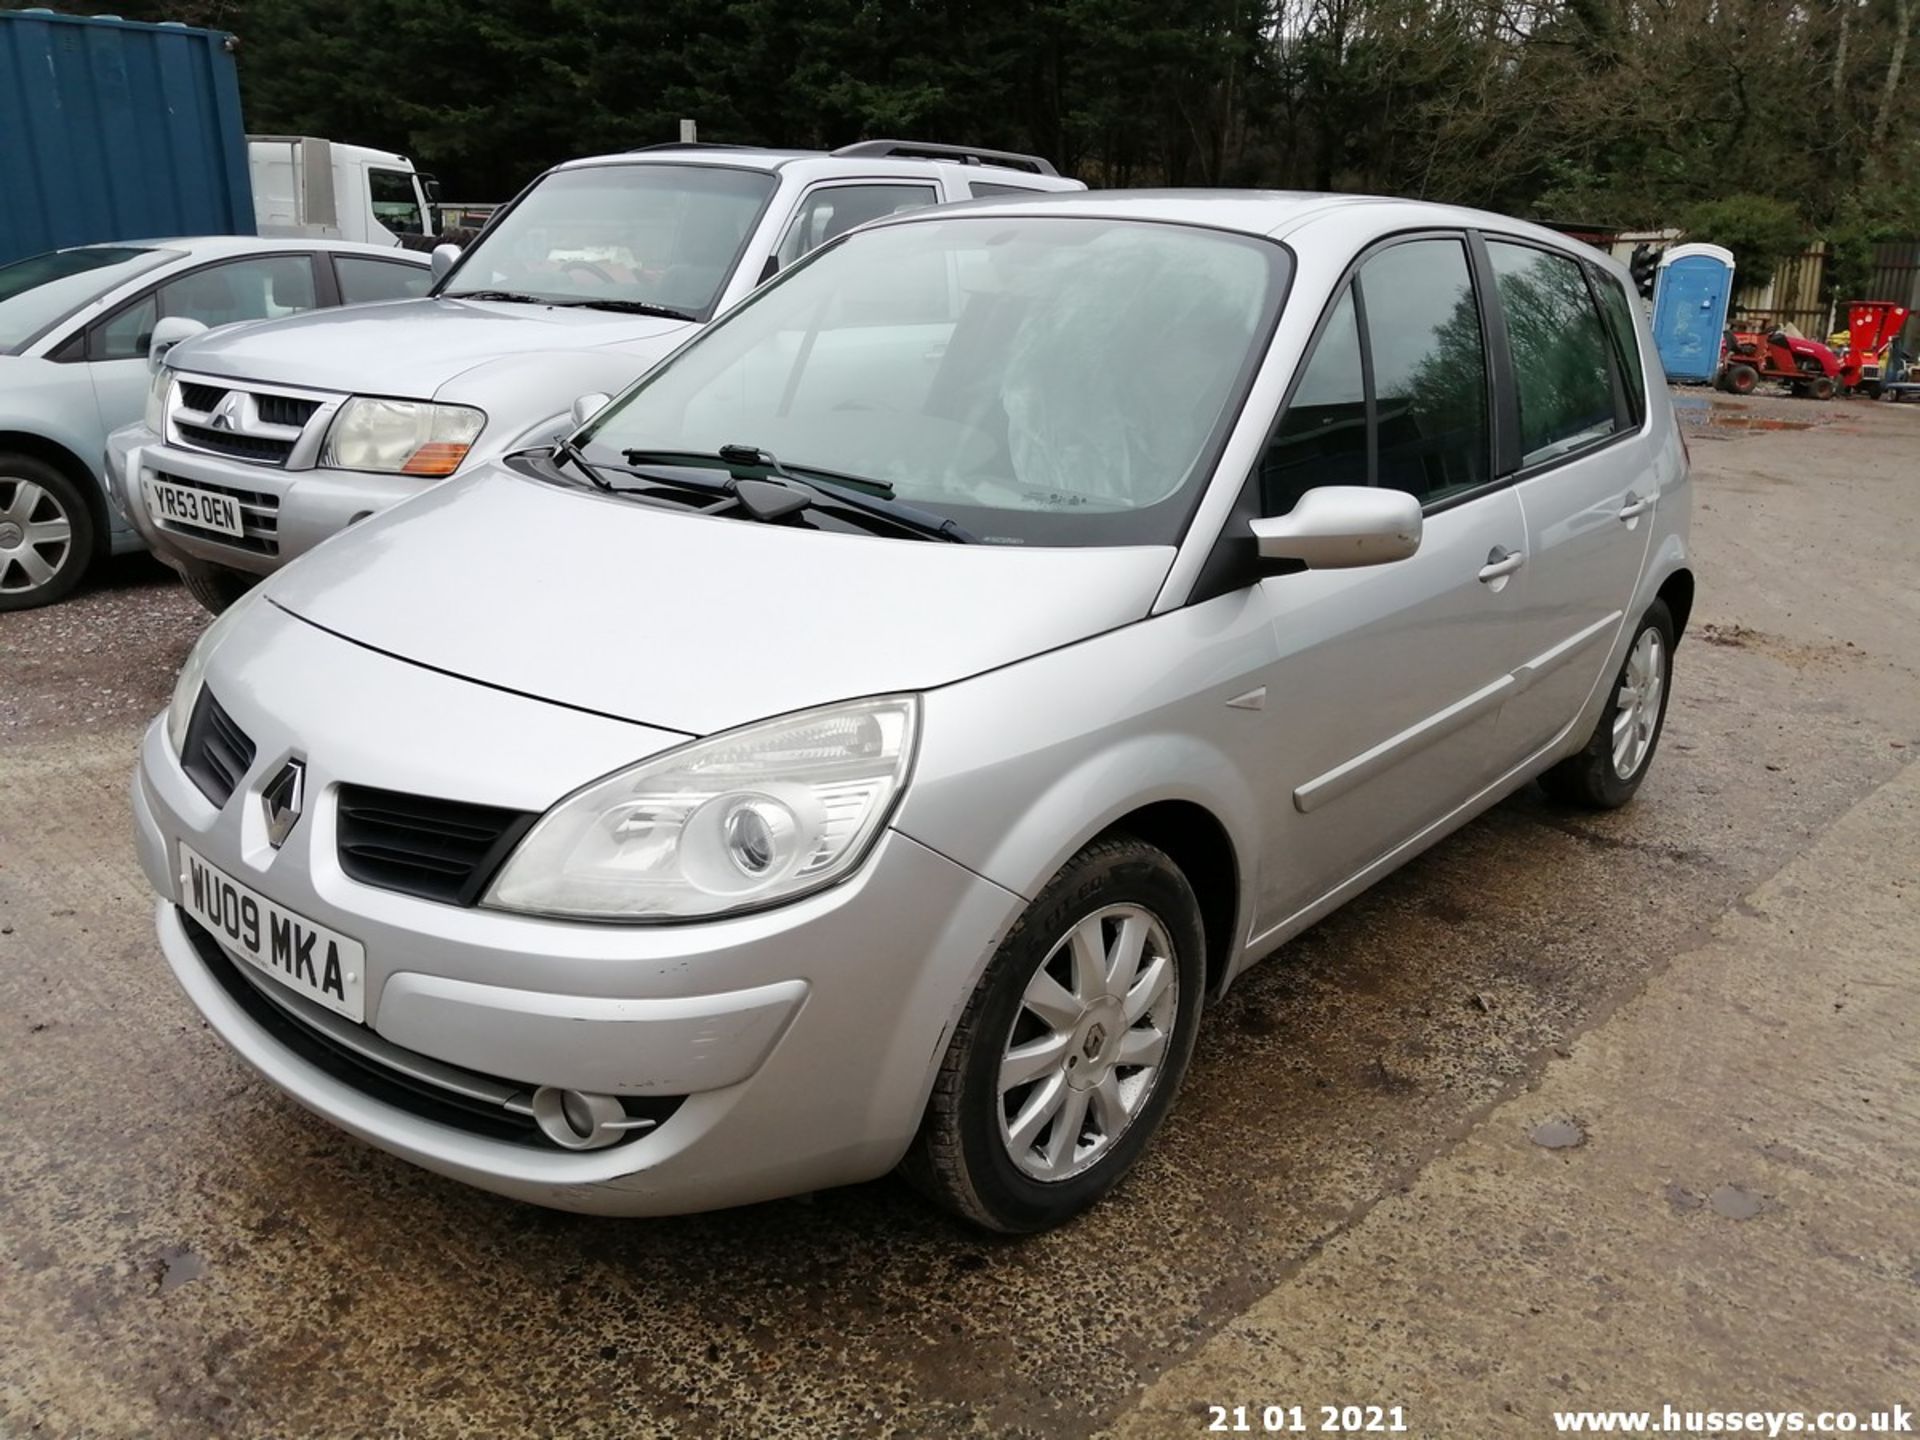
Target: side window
{"type": "Point", "coordinates": [1618, 310]}
{"type": "Point", "coordinates": [1322, 439]}
{"type": "Point", "coordinates": [124, 336]}
{"type": "Point", "coordinates": [1429, 369]}
{"type": "Point", "coordinates": [980, 189]}
{"type": "Point", "coordinates": [1561, 368]}
{"type": "Point", "coordinates": [833, 210]}
{"type": "Point", "coordinates": [390, 193]}
{"type": "Point", "coordinates": [364, 280]}
{"type": "Point", "coordinates": [263, 288]}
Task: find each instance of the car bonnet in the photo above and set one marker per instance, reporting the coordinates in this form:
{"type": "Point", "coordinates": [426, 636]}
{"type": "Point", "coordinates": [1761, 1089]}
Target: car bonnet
{"type": "Point", "coordinates": [687, 622]}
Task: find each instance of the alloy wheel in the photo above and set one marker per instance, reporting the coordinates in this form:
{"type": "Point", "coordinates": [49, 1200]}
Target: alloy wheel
{"type": "Point", "coordinates": [1087, 1045]}
{"type": "Point", "coordinates": [1637, 706]}
{"type": "Point", "coordinates": [36, 535]}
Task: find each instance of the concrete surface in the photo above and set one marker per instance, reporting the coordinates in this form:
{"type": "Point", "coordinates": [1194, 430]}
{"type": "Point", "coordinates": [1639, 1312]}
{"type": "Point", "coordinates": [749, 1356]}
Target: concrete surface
{"type": "Point", "coordinates": [182, 1253]}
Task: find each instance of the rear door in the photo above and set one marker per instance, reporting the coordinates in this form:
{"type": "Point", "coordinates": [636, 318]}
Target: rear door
{"type": "Point", "coordinates": [1381, 709]}
{"type": "Point", "coordinates": [1576, 429]}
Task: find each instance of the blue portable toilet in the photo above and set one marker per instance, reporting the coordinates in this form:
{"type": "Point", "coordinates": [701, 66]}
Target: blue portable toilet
{"type": "Point", "coordinates": [1691, 291]}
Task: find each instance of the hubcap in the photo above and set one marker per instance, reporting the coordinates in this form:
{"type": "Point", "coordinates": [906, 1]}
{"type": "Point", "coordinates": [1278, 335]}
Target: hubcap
{"type": "Point", "coordinates": [35, 536]}
{"type": "Point", "coordinates": [1637, 706]}
{"type": "Point", "coordinates": [1089, 1042]}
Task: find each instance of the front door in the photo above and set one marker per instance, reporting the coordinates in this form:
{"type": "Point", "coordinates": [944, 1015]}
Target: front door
{"type": "Point", "coordinates": [1382, 707]}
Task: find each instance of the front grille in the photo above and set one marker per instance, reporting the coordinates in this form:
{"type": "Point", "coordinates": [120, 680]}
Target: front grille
{"type": "Point", "coordinates": [217, 751]}
{"type": "Point", "coordinates": [284, 410]}
{"type": "Point", "coordinates": [443, 850]}
{"type": "Point", "coordinates": [201, 397]}
{"type": "Point", "coordinates": [231, 442]}
{"type": "Point", "coordinates": [259, 516]}
{"type": "Point", "coordinates": [466, 1100]}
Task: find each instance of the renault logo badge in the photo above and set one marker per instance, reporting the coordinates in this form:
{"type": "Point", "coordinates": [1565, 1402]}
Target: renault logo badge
{"type": "Point", "coordinates": [281, 799]}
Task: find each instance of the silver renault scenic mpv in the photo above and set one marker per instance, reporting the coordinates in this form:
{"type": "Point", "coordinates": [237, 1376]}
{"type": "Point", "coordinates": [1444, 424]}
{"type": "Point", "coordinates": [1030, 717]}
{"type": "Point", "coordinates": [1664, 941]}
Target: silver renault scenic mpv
{"type": "Point", "coordinates": [875, 738]}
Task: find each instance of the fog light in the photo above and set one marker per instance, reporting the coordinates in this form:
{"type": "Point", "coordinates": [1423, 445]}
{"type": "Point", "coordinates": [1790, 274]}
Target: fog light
{"type": "Point", "coordinates": [578, 1120]}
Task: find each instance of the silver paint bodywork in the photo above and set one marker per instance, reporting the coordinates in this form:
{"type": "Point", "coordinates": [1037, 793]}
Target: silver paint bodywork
{"type": "Point", "coordinates": [1328, 723]}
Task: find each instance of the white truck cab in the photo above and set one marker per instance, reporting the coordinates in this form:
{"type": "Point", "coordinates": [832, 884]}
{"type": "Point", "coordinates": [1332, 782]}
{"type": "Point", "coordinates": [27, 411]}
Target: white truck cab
{"type": "Point", "coordinates": [309, 187]}
{"type": "Point", "coordinates": [287, 432]}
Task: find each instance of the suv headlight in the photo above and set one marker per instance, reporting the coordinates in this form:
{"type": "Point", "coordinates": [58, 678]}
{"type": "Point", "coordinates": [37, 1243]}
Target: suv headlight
{"type": "Point", "coordinates": [401, 437]}
{"type": "Point", "coordinates": [186, 689]}
{"type": "Point", "coordinates": [157, 388]}
{"type": "Point", "coordinates": [737, 821]}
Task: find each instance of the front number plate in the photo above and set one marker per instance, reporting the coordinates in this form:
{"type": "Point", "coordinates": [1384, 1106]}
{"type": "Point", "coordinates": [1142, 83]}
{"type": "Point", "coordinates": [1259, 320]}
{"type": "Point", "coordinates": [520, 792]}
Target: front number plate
{"type": "Point", "coordinates": [201, 509]}
{"type": "Point", "coordinates": [321, 964]}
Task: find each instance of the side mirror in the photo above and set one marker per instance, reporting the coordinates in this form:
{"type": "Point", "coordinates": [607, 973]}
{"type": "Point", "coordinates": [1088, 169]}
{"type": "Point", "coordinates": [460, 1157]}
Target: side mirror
{"type": "Point", "coordinates": [167, 334]}
{"type": "Point", "coordinates": [441, 260]}
{"type": "Point", "coordinates": [1342, 527]}
{"type": "Point", "coordinates": [588, 406]}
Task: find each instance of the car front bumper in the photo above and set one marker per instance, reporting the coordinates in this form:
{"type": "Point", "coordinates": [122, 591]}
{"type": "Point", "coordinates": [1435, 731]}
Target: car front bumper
{"type": "Point", "coordinates": [286, 512]}
{"type": "Point", "coordinates": [798, 1043]}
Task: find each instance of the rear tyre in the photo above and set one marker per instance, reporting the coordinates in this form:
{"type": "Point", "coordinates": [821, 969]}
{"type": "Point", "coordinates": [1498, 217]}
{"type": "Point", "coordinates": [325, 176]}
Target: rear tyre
{"type": "Point", "coordinates": [1821, 387]}
{"type": "Point", "coordinates": [1607, 772]}
{"type": "Point", "coordinates": [1071, 1048]}
{"type": "Point", "coordinates": [46, 533]}
{"type": "Point", "coordinates": [214, 586]}
{"type": "Point", "coordinates": [1741, 379]}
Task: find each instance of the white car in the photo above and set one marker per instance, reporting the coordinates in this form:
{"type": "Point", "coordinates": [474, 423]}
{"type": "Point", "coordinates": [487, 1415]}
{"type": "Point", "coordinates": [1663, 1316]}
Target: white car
{"type": "Point", "coordinates": [74, 327]}
{"type": "Point", "coordinates": [597, 270]}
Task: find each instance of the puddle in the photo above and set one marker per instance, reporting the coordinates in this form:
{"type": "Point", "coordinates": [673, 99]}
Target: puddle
{"type": "Point", "coordinates": [1734, 1203]}
{"type": "Point", "coordinates": [1558, 1135]}
{"type": "Point", "coordinates": [176, 1265]}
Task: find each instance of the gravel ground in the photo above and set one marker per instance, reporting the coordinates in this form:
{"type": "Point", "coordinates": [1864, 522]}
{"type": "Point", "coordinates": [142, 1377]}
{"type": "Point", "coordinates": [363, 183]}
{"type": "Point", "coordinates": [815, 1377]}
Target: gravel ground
{"type": "Point", "coordinates": [106, 656]}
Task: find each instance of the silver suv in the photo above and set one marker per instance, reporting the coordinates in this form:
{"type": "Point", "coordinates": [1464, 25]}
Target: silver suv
{"type": "Point", "coordinates": [260, 444]}
{"type": "Point", "coordinates": [880, 734]}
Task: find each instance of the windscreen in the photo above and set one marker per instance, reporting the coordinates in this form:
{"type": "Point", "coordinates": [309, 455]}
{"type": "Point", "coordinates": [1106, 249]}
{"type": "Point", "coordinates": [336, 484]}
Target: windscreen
{"type": "Point", "coordinates": [42, 290]}
{"type": "Point", "coordinates": [1046, 380]}
{"type": "Point", "coordinates": [665, 235]}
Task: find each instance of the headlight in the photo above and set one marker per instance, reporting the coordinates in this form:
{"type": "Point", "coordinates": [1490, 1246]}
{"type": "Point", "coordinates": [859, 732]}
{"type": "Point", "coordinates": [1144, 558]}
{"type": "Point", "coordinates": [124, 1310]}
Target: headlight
{"type": "Point", "coordinates": [186, 689]}
{"type": "Point", "coordinates": [737, 821]}
{"type": "Point", "coordinates": [401, 437]}
{"type": "Point", "coordinates": [157, 389]}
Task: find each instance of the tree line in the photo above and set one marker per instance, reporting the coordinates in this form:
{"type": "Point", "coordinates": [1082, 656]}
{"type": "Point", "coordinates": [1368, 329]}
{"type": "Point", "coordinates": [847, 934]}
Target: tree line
{"type": "Point", "coordinates": [1763, 122]}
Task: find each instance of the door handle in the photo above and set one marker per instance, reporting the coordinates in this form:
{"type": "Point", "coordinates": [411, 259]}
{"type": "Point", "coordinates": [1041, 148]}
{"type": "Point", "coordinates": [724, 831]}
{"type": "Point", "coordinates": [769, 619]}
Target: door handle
{"type": "Point", "coordinates": [1502, 562]}
{"type": "Point", "coordinates": [1635, 507]}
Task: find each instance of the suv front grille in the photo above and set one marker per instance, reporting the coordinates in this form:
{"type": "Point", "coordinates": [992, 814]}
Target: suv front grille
{"type": "Point", "coordinates": [217, 751]}
{"type": "Point", "coordinates": [230, 442]}
{"type": "Point", "coordinates": [261, 427]}
{"type": "Point", "coordinates": [354, 1055]}
{"type": "Point", "coordinates": [443, 850]}
{"type": "Point", "coordinates": [259, 517]}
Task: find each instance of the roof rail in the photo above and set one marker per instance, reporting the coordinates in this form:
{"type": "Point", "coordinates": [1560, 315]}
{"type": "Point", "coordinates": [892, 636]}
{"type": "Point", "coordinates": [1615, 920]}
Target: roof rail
{"type": "Point", "coordinates": [964, 154]}
{"type": "Point", "coordinates": [693, 145]}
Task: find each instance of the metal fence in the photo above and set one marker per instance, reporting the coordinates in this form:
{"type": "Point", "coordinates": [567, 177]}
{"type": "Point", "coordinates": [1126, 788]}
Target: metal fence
{"type": "Point", "coordinates": [1793, 296]}
{"type": "Point", "coordinates": [1896, 277]}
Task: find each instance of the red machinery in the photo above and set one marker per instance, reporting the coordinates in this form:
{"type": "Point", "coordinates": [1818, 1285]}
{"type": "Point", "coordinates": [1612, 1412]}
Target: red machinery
{"type": "Point", "coordinates": [1872, 326]}
{"type": "Point", "coordinates": [1807, 366]}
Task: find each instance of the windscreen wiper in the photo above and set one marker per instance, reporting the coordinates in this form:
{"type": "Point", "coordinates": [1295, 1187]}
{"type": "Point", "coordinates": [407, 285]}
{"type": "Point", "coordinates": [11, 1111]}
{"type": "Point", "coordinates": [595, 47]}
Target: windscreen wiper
{"type": "Point", "coordinates": [849, 493]}
{"type": "Point", "coordinates": [628, 307]}
{"type": "Point", "coordinates": [516, 297]}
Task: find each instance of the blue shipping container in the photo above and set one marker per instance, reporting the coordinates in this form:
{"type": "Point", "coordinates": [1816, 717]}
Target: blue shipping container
{"type": "Point", "coordinates": [114, 130]}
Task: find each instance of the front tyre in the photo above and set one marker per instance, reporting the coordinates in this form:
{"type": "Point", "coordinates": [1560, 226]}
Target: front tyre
{"type": "Point", "coordinates": [1605, 774]}
{"type": "Point", "coordinates": [1072, 1046]}
{"type": "Point", "coordinates": [46, 533]}
{"type": "Point", "coordinates": [214, 586]}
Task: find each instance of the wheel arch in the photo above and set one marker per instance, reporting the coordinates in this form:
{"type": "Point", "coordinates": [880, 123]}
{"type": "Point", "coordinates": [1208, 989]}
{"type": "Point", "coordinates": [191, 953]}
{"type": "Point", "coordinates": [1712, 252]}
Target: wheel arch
{"type": "Point", "coordinates": [1677, 591]}
{"type": "Point", "coordinates": [52, 452]}
{"type": "Point", "coordinates": [1195, 840]}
